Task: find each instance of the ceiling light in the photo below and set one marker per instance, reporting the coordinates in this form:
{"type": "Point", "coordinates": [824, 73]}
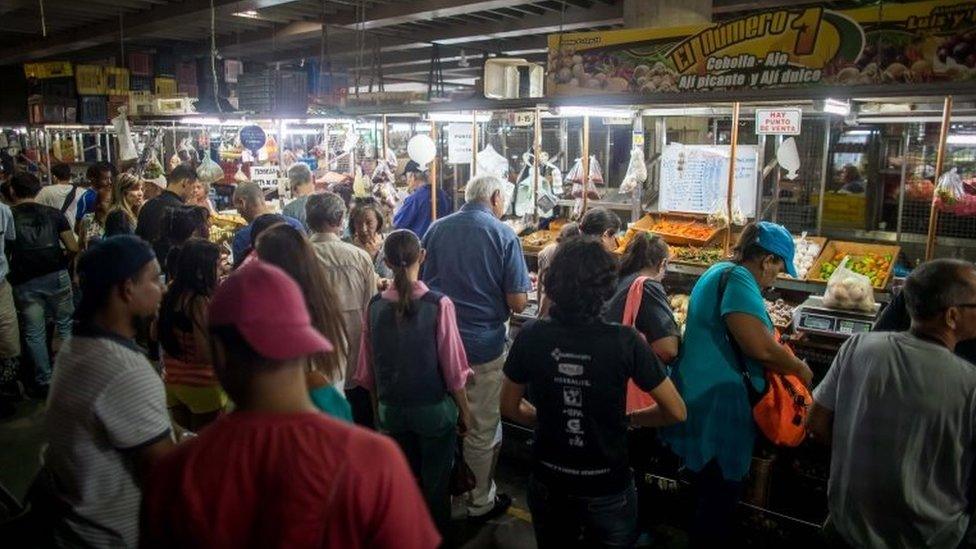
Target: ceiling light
{"type": "Point", "coordinates": [961, 139]}
{"type": "Point", "coordinates": [458, 117]}
{"type": "Point", "coordinates": [249, 14]}
{"type": "Point", "coordinates": [569, 112]}
{"type": "Point", "coordinates": [835, 106]}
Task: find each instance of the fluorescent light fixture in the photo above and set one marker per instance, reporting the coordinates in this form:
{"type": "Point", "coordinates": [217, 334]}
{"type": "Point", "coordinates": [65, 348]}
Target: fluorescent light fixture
{"type": "Point", "coordinates": [858, 132]}
{"type": "Point", "coordinates": [458, 116]}
{"type": "Point", "coordinates": [328, 120]}
{"type": "Point", "coordinates": [966, 139]}
{"type": "Point", "coordinates": [835, 106]}
{"type": "Point", "coordinates": [301, 131]}
{"type": "Point", "coordinates": [247, 14]}
{"type": "Point", "coordinates": [597, 112]}
{"type": "Point", "coordinates": [203, 121]}
{"type": "Point", "coordinates": [404, 127]}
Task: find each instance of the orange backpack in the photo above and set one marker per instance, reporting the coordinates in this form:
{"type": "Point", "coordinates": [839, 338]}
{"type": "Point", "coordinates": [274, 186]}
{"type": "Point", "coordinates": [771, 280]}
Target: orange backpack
{"type": "Point", "coordinates": [637, 399]}
{"type": "Point", "coordinates": [781, 411]}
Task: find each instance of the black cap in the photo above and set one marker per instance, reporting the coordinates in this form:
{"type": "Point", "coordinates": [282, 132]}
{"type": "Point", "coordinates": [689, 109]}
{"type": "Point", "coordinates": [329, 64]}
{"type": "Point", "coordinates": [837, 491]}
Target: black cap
{"type": "Point", "coordinates": [412, 167]}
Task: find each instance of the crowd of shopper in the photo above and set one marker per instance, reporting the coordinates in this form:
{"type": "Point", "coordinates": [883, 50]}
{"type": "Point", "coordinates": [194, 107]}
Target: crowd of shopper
{"type": "Point", "coordinates": [319, 394]}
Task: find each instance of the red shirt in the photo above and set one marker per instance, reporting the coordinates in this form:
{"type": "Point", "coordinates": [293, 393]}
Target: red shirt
{"type": "Point", "coordinates": [285, 480]}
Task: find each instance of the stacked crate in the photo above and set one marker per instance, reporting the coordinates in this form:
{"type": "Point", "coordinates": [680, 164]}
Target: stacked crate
{"type": "Point", "coordinates": [117, 86]}
{"type": "Point", "coordinates": [274, 92]}
{"type": "Point", "coordinates": [90, 81]}
{"type": "Point", "coordinates": [51, 95]}
{"type": "Point", "coordinates": [186, 79]}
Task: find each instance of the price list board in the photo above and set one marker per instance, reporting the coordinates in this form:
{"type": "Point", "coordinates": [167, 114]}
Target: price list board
{"type": "Point", "coordinates": [694, 178]}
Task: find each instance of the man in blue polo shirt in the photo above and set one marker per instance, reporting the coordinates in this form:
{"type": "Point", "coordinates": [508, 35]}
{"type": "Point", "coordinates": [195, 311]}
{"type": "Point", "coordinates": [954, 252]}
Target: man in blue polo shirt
{"type": "Point", "coordinates": [414, 212]}
{"type": "Point", "coordinates": [477, 261]}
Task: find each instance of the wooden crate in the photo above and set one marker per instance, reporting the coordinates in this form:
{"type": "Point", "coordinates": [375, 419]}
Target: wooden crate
{"type": "Point", "coordinates": [648, 222]}
{"type": "Point", "coordinates": [165, 86]}
{"type": "Point", "coordinates": [822, 241]}
{"type": "Point", "coordinates": [117, 80]}
{"type": "Point", "coordinates": [48, 69]}
{"type": "Point", "coordinates": [854, 249]}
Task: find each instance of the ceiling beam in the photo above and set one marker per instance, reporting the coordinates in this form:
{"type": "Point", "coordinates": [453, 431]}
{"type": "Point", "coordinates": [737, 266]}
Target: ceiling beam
{"type": "Point", "coordinates": [147, 21]}
{"type": "Point", "coordinates": [377, 17]}
{"type": "Point", "coordinates": [413, 58]}
{"type": "Point", "coordinates": [459, 36]}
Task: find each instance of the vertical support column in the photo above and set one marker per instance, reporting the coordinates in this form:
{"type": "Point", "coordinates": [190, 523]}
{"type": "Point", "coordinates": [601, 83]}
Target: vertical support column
{"type": "Point", "coordinates": [824, 164]}
{"type": "Point", "coordinates": [939, 159]}
{"type": "Point", "coordinates": [474, 143]}
{"type": "Point", "coordinates": [432, 174]}
{"type": "Point", "coordinates": [901, 184]}
{"type": "Point", "coordinates": [762, 177]}
{"type": "Point", "coordinates": [536, 152]}
{"type": "Point", "coordinates": [586, 164]}
{"type": "Point", "coordinates": [734, 144]}
{"type": "Point", "coordinates": [386, 141]}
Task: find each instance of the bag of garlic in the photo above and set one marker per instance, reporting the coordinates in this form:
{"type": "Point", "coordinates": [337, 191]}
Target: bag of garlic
{"type": "Point", "coordinates": [848, 290]}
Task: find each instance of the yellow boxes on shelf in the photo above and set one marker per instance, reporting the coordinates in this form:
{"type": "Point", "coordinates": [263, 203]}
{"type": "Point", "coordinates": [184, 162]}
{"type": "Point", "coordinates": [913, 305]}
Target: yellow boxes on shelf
{"type": "Point", "coordinates": [90, 80]}
{"type": "Point", "coordinates": [116, 81]}
{"type": "Point", "coordinates": [165, 86]}
{"type": "Point", "coordinates": [48, 69]}
{"type": "Point", "coordinates": [141, 103]}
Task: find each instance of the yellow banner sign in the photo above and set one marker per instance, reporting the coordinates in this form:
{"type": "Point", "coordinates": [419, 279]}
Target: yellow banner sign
{"type": "Point", "coordinates": [922, 42]}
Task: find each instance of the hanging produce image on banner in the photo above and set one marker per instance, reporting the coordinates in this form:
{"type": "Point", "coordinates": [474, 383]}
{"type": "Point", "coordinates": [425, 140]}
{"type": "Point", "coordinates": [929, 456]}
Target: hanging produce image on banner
{"type": "Point", "coordinates": [920, 42]}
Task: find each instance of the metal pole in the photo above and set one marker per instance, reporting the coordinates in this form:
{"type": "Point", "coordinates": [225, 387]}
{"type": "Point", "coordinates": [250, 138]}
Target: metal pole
{"type": "Point", "coordinates": [939, 158]}
{"type": "Point", "coordinates": [474, 143]}
{"type": "Point", "coordinates": [824, 165]}
{"type": "Point", "coordinates": [47, 157]}
{"type": "Point", "coordinates": [433, 174]}
{"type": "Point", "coordinates": [762, 179]}
{"type": "Point", "coordinates": [776, 189]}
{"type": "Point", "coordinates": [901, 185]}
{"type": "Point", "coordinates": [386, 141]}
{"type": "Point", "coordinates": [537, 152]}
{"type": "Point", "coordinates": [586, 164]}
{"type": "Point", "coordinates": [733, 146]}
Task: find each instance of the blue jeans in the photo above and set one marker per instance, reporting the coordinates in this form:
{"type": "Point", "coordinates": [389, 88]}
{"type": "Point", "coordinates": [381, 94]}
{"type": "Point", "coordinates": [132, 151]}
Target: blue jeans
{"type": "Point", "coordinates": [46, 294]}
{"type": "Point", "coordinates": [562, 520]}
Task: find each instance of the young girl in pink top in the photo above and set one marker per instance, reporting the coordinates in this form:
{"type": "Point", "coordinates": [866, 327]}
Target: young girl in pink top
{"type": "Point", "coordinates": [413, 362]}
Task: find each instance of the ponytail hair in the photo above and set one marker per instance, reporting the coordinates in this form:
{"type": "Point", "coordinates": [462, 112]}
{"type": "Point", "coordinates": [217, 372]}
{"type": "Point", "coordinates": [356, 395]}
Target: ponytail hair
{"type": "Point", "coordinates": [402, 250]}
{"type": "Point", "coordinates": [644, 251]}
{"type": "Point", "coordinates": [748, 248]}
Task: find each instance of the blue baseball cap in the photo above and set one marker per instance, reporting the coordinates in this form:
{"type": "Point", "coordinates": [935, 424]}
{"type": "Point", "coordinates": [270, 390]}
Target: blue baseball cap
{"type": "Point", "coordinates": [775, 239]}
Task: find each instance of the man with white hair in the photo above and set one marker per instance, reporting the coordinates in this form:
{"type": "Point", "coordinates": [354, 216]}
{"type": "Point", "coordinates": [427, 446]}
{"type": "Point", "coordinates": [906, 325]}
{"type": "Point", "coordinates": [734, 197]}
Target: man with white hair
{"type": "Point", "coordinates": [477, 261]}
{"type": "Point", "coordinates": [302, 186]}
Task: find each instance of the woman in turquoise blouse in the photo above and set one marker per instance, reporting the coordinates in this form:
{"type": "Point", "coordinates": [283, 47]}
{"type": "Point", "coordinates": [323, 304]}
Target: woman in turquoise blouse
{"type": "Point", "coordinates": [716, 441]}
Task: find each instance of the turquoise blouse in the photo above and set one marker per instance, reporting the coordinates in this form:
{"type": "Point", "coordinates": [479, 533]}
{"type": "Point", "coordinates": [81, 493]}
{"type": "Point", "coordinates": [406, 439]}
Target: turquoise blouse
{"type": "Point", "coordinates": [719, 424]}
{"type": "Point", "coordinates": [328, 399]}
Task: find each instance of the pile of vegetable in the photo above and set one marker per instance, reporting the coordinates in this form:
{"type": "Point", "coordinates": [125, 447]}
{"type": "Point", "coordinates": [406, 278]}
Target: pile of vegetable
{"type": "Point", "coordinates": [692, 230]}
{"type": "Point", "coordinates": [780, 312]}
{"type": "Point", "coordinates": [805, 255]}
{"type": "Point", "coordinates": [696, 255]}
{"type": "Point", "coordinates": [874, 266]}
{"type": "Point", "coordinates": [679, 304]}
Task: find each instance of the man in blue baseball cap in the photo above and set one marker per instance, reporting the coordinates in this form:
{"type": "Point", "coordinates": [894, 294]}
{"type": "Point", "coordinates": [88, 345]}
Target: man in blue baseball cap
{"type": "Point", "coordinates": [728, 334]}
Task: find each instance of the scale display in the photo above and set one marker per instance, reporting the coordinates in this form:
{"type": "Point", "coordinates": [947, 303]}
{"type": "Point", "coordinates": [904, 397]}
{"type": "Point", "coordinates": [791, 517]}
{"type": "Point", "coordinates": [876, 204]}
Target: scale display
{"type": "Point", "coordinates": [812, 317]}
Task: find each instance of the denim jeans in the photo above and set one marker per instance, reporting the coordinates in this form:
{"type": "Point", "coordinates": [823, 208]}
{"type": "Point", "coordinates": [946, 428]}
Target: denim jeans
{"type": "Point", "coordinates": [562, 520]}
{"type": "Point", "coordinates": [36, 298]}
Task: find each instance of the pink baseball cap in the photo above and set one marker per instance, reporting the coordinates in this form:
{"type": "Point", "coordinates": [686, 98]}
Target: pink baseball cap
{"type": "Point", "coordinates": [267, 307]}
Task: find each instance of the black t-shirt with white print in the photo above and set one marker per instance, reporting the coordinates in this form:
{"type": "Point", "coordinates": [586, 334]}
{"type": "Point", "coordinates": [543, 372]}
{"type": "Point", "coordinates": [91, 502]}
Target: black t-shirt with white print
{"type": "Point", "coordinates": [577, 376]}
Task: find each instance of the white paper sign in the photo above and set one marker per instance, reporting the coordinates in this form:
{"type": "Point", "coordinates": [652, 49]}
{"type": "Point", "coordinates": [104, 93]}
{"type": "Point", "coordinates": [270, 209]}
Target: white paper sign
{"type": "Point", "coordinates": [694, 178]}
{"type": "Point", "coordinates": [459, 144]}
{"type": "Point", "coordinates": [779, 121]}
{"type": "Point", "coordinates": [265, 176]}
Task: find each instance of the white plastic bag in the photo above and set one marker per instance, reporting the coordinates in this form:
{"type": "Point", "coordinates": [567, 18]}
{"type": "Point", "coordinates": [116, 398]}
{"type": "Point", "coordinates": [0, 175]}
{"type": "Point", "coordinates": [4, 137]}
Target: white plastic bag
{"type": "Point", "coordinates": [595, 183]}
{"type": "Point", "coordinates": [950, 188]}
{"type": "Point", "coordinates": [636, 172]}
{"type": "Point", "coordinates": [492, 163]}
{"type": "Point", "coordinates": [209, 171]}
{"type": "Point", "coordinates": [848, 290]}
{"type": "Point", "coordinates": [127, 146]}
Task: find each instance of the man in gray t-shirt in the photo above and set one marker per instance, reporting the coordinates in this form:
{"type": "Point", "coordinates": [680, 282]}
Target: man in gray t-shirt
{"type": "Point", "coordinates": [899, 410]}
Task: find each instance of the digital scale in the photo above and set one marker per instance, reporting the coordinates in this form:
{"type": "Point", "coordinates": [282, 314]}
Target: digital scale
{"type": "Point", "coordinates": [813, 317]}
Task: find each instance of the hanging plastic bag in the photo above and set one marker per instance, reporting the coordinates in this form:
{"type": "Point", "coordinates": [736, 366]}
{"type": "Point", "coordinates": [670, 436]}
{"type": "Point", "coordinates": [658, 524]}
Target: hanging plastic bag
{"type": "Point", "coordinates": [593, 187]}
{"type": "Point", "coordinates": [153, 168]}
{"type": "Point", "coordinates": [636, 172]}
{"type": "Point", "coordinates": [209, 172]}
{"type": "Point", "coordinates": [950, 188]}
{"type": "Point", "coordinates": [848, 290]}
{"type": "Point", "coordinates": [491, 163]}
{"type": "Point", "coordinates": [127, 146]}
{"type": "Point", "coordinates": [240, 176]}
{"type": "Point", "coordinates": [359, 184]}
